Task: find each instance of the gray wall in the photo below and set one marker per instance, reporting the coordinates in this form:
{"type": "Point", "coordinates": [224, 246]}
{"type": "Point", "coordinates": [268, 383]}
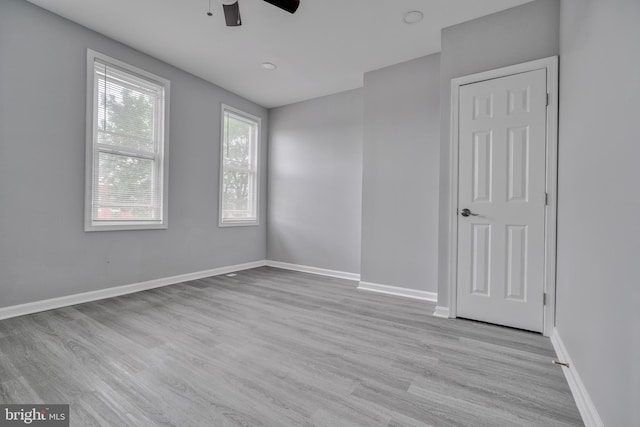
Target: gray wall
{"type": "Point", "coordinates": [400, 178]}
{"type": "Point", "coordinates": [315, 181]}
{"type": "Point", "coordinates": [44, 251]}
{"type": "Point", "coordinates": [516, 35]}
{"type": "Point", "coordinates": [598, 289]}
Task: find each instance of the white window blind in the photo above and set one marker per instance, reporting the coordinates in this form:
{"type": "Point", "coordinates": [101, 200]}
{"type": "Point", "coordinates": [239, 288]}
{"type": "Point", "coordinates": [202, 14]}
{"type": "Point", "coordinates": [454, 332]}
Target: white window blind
{"type": "Point", "coordinates": [128, 145]}
{"type": "Point", "coordinates": [239, 168]}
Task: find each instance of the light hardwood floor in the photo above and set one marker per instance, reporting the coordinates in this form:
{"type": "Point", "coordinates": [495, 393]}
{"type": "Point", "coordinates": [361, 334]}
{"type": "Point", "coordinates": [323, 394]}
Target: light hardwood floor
{"type": "Point", "coordinates": [278, 348]}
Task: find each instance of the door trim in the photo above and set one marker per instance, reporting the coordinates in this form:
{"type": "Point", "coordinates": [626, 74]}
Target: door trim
{"type": "Point", "coordinates": [550, 64]}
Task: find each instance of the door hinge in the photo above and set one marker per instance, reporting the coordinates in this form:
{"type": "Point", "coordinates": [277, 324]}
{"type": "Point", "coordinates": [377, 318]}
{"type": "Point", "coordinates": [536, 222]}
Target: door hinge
{"type": "Point", "coordinates": [544, 298]}
{"type": "Point", "coordinates": [546, 199]}
{"type": "Point", "coordinates": [548, 97]}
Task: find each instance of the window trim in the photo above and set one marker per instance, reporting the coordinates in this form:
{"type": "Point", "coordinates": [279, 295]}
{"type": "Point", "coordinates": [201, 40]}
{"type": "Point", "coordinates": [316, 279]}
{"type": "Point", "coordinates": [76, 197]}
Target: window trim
{"type": "Point", "coordinates": [91, 148]}
{"type": "Point", "coordinates": [239, 222]}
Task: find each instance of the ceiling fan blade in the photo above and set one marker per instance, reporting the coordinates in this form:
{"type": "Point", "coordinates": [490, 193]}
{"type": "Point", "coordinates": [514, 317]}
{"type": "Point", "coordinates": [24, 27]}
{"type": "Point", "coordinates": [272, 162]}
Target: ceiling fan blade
{"type": "Point", "coordinates": [289, 5]}
{"type": "Point", "coordinates": [232, 14]}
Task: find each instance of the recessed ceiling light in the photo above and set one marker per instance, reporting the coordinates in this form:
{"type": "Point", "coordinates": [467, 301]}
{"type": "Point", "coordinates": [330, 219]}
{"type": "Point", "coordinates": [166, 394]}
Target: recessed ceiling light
{"type": "Point", "coordinates": [413, 17]}
{"type": "Point", "coordinates": [269, 66]}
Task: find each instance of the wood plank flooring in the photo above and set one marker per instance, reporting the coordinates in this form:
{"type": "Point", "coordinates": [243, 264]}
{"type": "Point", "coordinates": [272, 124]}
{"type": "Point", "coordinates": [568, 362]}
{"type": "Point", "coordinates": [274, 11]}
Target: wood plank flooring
{"type": "Point", "coordinates": [271, 347]}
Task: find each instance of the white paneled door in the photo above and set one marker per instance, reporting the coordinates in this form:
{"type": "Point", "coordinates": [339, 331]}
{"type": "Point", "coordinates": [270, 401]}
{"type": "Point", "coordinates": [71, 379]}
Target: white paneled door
{"type": "Point", "coordinates": [501, 200]}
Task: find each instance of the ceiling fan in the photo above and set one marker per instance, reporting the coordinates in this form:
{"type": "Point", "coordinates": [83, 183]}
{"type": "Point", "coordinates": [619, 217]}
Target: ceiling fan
{"type": "Point", "coordinates": [232, 9]}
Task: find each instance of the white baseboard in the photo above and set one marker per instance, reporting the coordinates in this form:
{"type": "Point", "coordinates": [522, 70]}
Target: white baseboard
{"type": "Point", "coordinates": [441, 311]}
{"type": "Point", "coordinates": [401, 292]}
{"type": "Point", "coordinates": [53, 303]}
{"type": "Point", "coordinates": [314, 270]}
{"type": "Point", "coordinates": [587, 409]}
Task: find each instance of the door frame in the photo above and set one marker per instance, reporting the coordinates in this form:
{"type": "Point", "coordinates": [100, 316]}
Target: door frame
{"type": "Point", "coordinates": [550, 64]}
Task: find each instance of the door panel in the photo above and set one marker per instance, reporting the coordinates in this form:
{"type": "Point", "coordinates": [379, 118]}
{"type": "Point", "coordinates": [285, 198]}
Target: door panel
{"type": "Point", "coordinates": [482, 142]}
{"type": "Point", "coordinates": [481, 259]}
{"type": "Point", "coordinates": [518, 162]}
{"type": "Point", "coordinates": [502, 152]}
{"type": "Point", "coordinates": [516, 262]}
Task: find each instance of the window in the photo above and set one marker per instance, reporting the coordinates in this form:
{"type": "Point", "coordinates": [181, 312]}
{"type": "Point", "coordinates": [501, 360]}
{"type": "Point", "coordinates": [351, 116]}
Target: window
{"type": "Point", "coordinates": [127, 145]}
{"type": "Point", "coordinates": [239, 168]}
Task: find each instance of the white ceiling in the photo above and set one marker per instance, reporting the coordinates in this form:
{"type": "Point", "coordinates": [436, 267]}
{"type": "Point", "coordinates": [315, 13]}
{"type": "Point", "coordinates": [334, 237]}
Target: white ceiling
{"type": "Point", "coordinates": [324, 48]}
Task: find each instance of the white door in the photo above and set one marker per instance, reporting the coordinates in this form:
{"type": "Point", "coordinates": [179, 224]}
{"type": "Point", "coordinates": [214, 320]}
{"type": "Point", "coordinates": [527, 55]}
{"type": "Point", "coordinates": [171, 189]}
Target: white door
{"type": "Point", "coordinates": [501, 200]}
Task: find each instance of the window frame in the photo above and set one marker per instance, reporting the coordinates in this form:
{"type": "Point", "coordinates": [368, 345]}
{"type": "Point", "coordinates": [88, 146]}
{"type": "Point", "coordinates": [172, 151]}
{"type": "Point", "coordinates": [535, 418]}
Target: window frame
{"type": "Point", "coordinates": [256, 184]}
{"type": "Point", "coordinates": [160, 157]}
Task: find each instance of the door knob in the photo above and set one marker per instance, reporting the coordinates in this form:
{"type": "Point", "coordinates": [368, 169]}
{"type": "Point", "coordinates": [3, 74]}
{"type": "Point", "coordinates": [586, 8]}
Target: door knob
{"type": "Point", "coordinates": [466, 212]}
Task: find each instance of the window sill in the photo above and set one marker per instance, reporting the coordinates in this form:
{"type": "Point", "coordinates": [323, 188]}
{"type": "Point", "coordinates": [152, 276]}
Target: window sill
{"type": "Point", "coordinates": [114, 226]}
{"type": "Point", "coordinates": [239, 223]}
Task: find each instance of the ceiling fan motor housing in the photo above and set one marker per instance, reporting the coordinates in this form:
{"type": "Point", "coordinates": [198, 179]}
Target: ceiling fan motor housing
{"type": "Point", "coordinates": [232, 9]}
